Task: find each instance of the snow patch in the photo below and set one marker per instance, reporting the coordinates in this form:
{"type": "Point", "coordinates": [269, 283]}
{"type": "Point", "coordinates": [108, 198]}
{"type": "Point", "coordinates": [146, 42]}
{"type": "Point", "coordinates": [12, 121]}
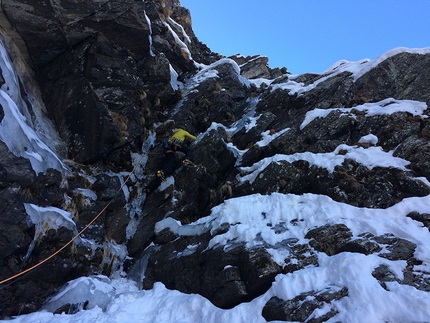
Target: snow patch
{"type": "Point", "coordinates": [370, 157]}
{"type": "Point", "coordinates": [371, 139]}
{"type": "Point", "coordinates": [267, 138]}
{"type": "Point", "coordinates": [91, 292]}
{"type": "Point", "coordinates": [387, 106]}
{"type": "Point", "coordinates": [357, 69]}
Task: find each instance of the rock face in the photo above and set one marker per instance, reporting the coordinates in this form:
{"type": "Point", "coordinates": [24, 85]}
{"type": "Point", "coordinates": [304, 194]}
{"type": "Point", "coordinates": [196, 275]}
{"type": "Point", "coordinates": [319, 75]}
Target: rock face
{"type": "Point", "coordinates": [100, 67]}
{"type": "Point", "coordinates": [226, 278]}
{"type": "Point", "coordinates": [114, 78]}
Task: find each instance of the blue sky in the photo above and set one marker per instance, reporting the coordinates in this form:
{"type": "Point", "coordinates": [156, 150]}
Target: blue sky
{"type": "Point", "coordinates": [310, 35]}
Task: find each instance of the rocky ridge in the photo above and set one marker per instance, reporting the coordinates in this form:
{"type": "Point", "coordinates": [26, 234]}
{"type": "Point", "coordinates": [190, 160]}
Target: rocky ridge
{"type": "Point", "coordinates": [109, 80]}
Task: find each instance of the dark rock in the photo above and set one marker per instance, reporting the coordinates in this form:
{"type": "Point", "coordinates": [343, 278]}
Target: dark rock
{"type": "Point", "coordinates": [350, 182]}
{"type": "Point", "coordinates": [423, 218]}
{"type": "Point", "coordinates": [302, 306]}
{"type": "Point", "coordinates": [363, 246]}
{"type": "Point", "coordinates": [165, 236]}
{"type": "Point", "coordinates": [258, 270]}
{"type": "Point", "coordinates": [400, 77]}
{"type": "Point", "coordinates": [245, 138]}
{"type": "Point", "coordinates": [93, 81]}
{"type": "Point", "coordinates": [15, 233]}
{"type": "Point", "coordinates": [213, 153]}
{"type": "Point", "coordinates": [383, 274]}
{"type": "Point", "coordinates": [14, 169]}
{"type": "Point", "coordinates": [155, 207]}
{"type": "Point", "coordinates": [50, 30]}
{"type": "Point", "coordinates": [329, 238]}
{"type": "Point", "coordinates": [47, 189]}
{"type": "Point", "coordinates": [397, 248]}
{"type": "Point", "coordinates": [221, 99]}
{"type": "Point", "coordinates": [415, 150]}
{"type": "Point", "coordinates": [226, 278]}
{"type": "Point", "coordinates": [417, 277]}
{"type": "Point", "coordinates": [253, 67]}
{"type": "Point", "coordinates": [301, 256]}
{"type": "Point", "coordinates": [280, 177]}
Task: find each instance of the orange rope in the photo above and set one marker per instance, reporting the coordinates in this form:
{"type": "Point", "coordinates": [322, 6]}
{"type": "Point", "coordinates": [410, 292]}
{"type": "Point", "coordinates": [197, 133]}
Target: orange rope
{"type": "Point", "coordinates": [76, 236]}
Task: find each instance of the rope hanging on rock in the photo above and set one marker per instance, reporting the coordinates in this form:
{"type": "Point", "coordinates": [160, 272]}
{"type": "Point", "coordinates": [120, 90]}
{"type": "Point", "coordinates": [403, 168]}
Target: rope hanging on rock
{"type": "Point", "coordinates": [78, 234]}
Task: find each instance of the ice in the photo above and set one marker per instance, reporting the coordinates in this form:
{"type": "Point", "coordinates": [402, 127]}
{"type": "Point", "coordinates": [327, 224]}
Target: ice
{"type": "Point", "coordinates": [173, 78]}
{"type": "Point", "coordinates": [183, 46]}
{"type": "Point", "coordinates": [16, 129]}
{"type": "Point", "coordinates": [49, 217]}
{"type": "Point", "coordinates": [91, 292]}
{"type": "Point", "coordinates": [181, 28]}
{"type": "Point", "coordinates": [150, 34]}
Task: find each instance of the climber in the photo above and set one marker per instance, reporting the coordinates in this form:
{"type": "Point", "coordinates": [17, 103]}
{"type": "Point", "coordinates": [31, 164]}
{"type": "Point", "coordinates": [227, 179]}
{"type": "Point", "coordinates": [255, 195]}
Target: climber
{"type": "Point", "coordinates": [180, 141]}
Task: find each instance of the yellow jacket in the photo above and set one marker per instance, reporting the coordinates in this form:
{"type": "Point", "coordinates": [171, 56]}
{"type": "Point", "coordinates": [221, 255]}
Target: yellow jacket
{"type": "Point", "coordinates": [181, 134]}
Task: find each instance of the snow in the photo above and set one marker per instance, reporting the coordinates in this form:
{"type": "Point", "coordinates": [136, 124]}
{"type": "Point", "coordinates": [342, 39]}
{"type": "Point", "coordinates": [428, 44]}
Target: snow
{"type": "Point", "coordinates": [252, 122]}
{"type": "Point", "coordinates": [267, 137]}
{"type": "Point", "coordinates": [386, 106]}
{"type": "Point", "coordinates": [119, 300]}
{"type": "Point", "coordinates": [97, 291]}
{"type": "Point", "coordinates": [370, 157]}
{"type": "Point", "coordinates": [167, 183]}
{"type": "Point", "coordinates": [88, 194]}
{"type": "Point", "coordinates": [181, 28]}
{"type": "Point", "coordinates": [206, 72]}
{"type": "Point", "coordinates": [183, 46]}
{"type": "Point", "coordinates": [357, 69]}
{"type": "Point", "coordinates": [148, 21]}
{"type": "Point", "coordinates": [370, 138]}
{"type": "Point", "coordinates": [252, 220]}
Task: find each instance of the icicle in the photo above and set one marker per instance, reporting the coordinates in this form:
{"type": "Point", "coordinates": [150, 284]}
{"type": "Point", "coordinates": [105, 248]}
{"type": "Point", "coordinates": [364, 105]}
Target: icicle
{"type": "Point", "coordinates": [150, 35]}
{"type": "Point", "coordinates": [16, 128]}
{"type": "Point", "coordinates": [184, 47]}
{"type": "Point", "coordinates": [182, 29]}
{"type": "Point", "coordinates": [45, 218]}
{"type": "Point", "coordinates": [173, 78]}
{"type": "Point", "coordinates": [137, 272]}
